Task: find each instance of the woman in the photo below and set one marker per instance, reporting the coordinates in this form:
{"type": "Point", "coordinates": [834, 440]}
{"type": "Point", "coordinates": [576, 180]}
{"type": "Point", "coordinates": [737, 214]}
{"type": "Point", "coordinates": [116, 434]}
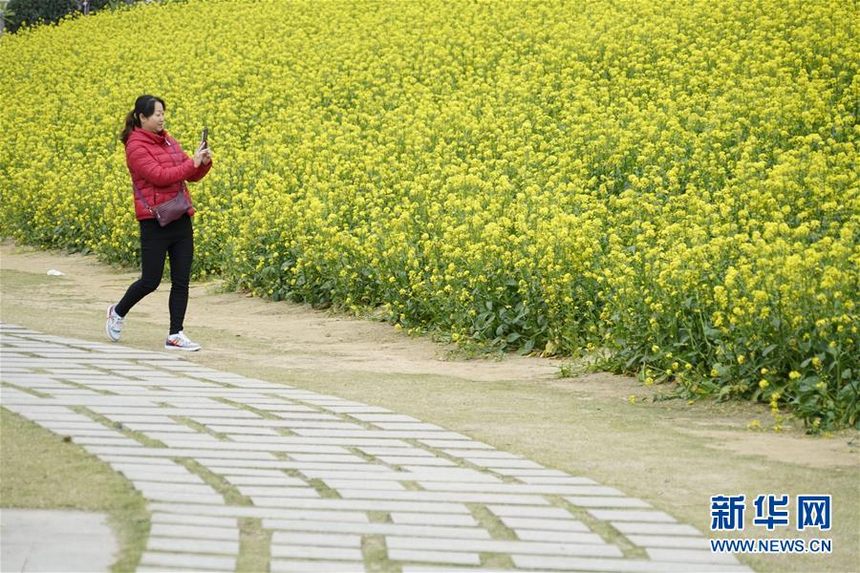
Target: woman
{"type": "Point", "coordinates": [159, 169]}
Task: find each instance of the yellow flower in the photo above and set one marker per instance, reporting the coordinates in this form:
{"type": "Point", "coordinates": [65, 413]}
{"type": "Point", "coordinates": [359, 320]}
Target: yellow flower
{"type": "Point", "coordinates": [462, 193]}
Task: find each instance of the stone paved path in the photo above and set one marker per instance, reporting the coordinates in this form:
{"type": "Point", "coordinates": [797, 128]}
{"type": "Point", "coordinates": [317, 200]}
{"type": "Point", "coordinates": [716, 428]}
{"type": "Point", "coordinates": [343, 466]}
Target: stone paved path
{"type": "Point", "coordinates": [339, 484]}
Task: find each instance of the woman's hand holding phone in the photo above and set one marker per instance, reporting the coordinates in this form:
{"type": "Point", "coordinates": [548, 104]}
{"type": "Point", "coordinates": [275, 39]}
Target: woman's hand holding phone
{"type": "Point", "coordinates": [202, 155]}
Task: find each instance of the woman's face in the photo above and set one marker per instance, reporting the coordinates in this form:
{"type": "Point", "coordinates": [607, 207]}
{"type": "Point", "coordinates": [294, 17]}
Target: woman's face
{"type": "Point", "coordinates": [155, 122]}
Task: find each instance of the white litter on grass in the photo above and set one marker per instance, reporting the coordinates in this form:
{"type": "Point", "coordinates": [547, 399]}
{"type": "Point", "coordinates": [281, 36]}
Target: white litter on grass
{"type": "Point", "coordinates": [55, 273]}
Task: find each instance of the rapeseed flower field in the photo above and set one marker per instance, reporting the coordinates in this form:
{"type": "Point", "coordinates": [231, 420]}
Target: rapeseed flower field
{"type": "Point", "coordinates": [673, 185]}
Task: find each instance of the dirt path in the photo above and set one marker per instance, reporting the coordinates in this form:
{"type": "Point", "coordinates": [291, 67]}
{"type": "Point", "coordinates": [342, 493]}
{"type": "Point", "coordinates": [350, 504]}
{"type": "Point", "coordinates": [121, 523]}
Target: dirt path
{"type": "Point", "coordinates": [306, 338]}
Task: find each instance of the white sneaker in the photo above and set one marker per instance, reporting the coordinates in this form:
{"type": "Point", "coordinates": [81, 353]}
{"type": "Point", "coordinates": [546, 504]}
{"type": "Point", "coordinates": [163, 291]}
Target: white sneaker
{"type": "Point", "coordinates": [113, 326]}
{"type": "Point", "coordinates": [179, 341]}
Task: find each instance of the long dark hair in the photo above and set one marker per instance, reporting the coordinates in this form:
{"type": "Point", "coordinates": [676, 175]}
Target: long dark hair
{"type": "Point", "coordinates": [144, 105]}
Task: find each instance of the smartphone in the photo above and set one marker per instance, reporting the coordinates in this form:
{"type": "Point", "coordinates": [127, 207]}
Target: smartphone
{"type": "Point", "coordinates": [205, 138]}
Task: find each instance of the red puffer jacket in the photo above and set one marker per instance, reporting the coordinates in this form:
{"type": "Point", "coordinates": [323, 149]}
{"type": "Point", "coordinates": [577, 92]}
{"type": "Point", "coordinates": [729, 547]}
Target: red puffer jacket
{"type": "Point", "coordinates": [158, 166]}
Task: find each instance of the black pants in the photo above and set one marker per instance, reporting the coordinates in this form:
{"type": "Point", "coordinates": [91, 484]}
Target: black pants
{"type": "Point", "coordinates": [156, 242]}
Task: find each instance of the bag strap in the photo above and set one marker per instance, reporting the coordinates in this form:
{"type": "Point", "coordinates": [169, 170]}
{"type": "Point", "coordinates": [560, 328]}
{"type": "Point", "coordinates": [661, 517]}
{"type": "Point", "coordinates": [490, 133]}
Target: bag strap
{"type": "Point", "coordinates": [140, 197]}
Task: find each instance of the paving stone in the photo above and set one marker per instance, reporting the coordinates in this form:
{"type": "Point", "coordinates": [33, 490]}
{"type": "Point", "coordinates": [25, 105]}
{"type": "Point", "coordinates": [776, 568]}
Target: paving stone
{"type": "Point", "coordinates": [456, 558]}
{"type": "Point", "coordinates": [558, 536]}
{"type": "Point", "coordinates": [413, 426]}
{"type": "Point", "coordinates": [434, 519]}
{"type": "Point", "coordinates": [290, 506]}
{"type": "Point", "coordinates": [174, 487]}
{"type": "Point", "coordinates": [186, 519]}
{"type": "Point", "coordinates": [261, 491]}
{"type": "Point", "coordinates": [63, 393]}
{"type": "Point", "coordinates": [596, 501]}
{"type": "Point", "coordinates": [157, 464]}
{"type": "Point", "coordinates": [234, 413]}
{"type": "Point", "coordinates": [242, 424]}
{"type": "Point", "coordinates": [359, 410]}
{"type": "Point", "coordinates": [326, 401]}
{"type": "Point", "coordinates": [560, 480]}
{"type": "Point", "coordinates": [298, 566]}
{"type": "Point", "coordinates": [627, 515]}
{"type": "Point", "coordinates": [235, 431]}
{"type": "Point", "coordinates": [518, 523]}
{"type": "Point", "coordinates": [520, 489]}
{"type": "Point", "coordinates": [184, 440]}
{"type": "Point", "coordinates": [316, 539]}
{"type": "Point", "coordinates": [281, 406]}
{"type": "Point", "coordinates": [169, 429]}
{"type": "Point", "coordinates": [39, 409]}
{"type": "Point", "coordinates": [438, 569]}
{"type": "Point", "coordinates": [384, 418]}
{"type": "Point", "coordinates": [416, 460]}
{"type": "Point", "coordinates": [261, 400]}
{"type": "Point", "coordinates": [281, 480]}
{"type": "Point", "coordinates": [54, 417]}
{"type": "Point", "coordinates": [404, 434]}
{"type": "Point", "coordinates": [191, 545]}
{"type": "Point", "coordinates": [519, 473]}
{"type": "Point", "coordinates": [103, 433]}
{"type": "Point", "coordinates": [387, 485]}
{"type": "Point", "coordinates": [505, 546]}
{"type": "Point", "coordinates": [45, 540]}
{"type": "Point", "coordinates": [502, 463]}
{"type": "Point", "coordinates": [126, 419]}
{"type": "Point", "coordinates": [483, 454]}
{"type": "Point", "coordinates": [334, 458]}
{"type": "Point", "coordinates": [310, 552]}
{"type": "Point", "coordinates": [202, 562]}
{"type": "Point", "coordinates": [633, 527]}
{"type": "Point", "coordinates": [690, 556]}
{"type": "Point", "coordinates": [155, 476]}
{"type": "Point", "coordinates": [304, 467]}
{"type": "Point", "coordinates": [305, 509]}
{"type": "Point", "coordinates": [194, 532]}
{"type": "Point", "coordinates": [245, 471]}
{"type": "Point", "coordinates": [673, 542]}
{"type": "Point", "coordinates": [384, 473]}
{"type": "Point", "coordinates": [145, 452]}
{"type": "Point", "coordinates": [431, 532]}
{"type": "Point", "coordinates": [175, 497]}
{"type": "Point", "coordinates": [453, 474]}
{"type": "Point", "coordinates": [458, 497]}
{"type": "Point", "coordinates": [542, 512]}
{"type": "Point", "coordinates": [612, 565]}
{"type": "Point", "coordinates": [410, 451]}
{"type": "Point", "coordinates": [459, 443]}
{"type": "Point", "coordinates": [106, 441]}
{"type": "Point", "coordinates": [278, 445]}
